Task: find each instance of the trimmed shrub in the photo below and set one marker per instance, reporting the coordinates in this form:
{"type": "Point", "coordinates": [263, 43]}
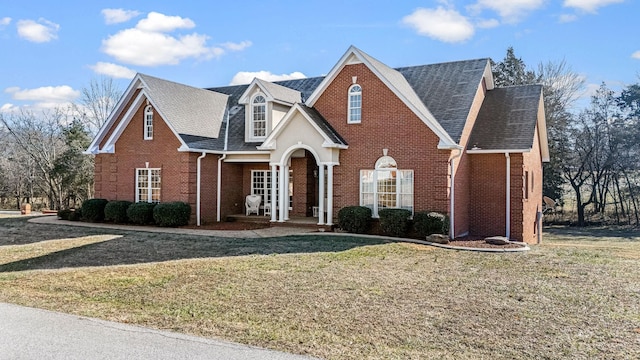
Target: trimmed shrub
{"type": "Point", "coordinates": [355, 219]}
{"type": "Point", "coordinates": [172, 214]}
{"type": "Point", "coordinates": [427, 223]}
{"type": "Point", "coordinates": [76, 215]}
{"type": "Point", "coordinates": [141, 213]}
{"type": "Point", "coordinates": [64, 214]}
{"type": "Point", "coordinates": [93, 209]}
{"type": "Point", "coordinates": [116, 211]}
{"type": "Point", "coordinates": [394, 222]}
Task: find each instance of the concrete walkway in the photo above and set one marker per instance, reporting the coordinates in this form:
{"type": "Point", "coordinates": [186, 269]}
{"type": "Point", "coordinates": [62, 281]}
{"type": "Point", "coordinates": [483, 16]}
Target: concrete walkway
{"type": "Point", "coordinates": [29, 333]}
{"type": "Point", "coordinates": [273, 231]}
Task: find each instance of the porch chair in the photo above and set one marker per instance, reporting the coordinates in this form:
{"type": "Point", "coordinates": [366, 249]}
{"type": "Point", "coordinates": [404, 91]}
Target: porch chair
{"type": "Point", "coordinates": [252, 204]}
{"type": "Point", "coordinates": [267, 209]}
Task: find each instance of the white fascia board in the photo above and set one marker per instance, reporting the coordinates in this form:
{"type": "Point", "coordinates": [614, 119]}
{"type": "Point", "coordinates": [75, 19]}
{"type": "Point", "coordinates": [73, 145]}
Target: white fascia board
{"type": "Point", "coordinates": [334, 145]}
{"type": "Point", "coordinates": [124, 99]}
{"type": "Point", "coordinates": [126, 119]}
{"type": "Point", "coordinates": [446, 146]}
{"type": "Point", "coordinates": [331, 75]}
{"type": "Point", "coordinates": [423, 114]}
{"type": "Point", "coordinates": [497, 151]}
{"type": "Point", "coordinates": [244, 99]}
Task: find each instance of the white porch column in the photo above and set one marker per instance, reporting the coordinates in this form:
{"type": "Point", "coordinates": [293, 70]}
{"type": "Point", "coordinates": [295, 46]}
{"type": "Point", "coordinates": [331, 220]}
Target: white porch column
{"type": "Point", "coordinates": [282, 193]}
{"type": "Point", "coordinates": [274, 192]}
{"type": "Point", "coordinates": [321, 194]}
{"type": "Point", "coordinates": [330, 194]}
{"type": "Point", "coordinates": [286, 193]}
{"type": "Point", "coordinates": [508, 195]}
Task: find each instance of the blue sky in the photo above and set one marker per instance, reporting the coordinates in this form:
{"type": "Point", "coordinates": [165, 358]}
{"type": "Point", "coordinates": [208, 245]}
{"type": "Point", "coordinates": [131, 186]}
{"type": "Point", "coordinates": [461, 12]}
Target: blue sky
{"type": "Point", "coordinates": [51, 49]}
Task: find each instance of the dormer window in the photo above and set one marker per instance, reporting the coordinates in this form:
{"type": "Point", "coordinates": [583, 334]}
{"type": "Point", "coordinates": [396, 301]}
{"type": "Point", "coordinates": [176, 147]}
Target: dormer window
{"type": "Point", "coordinates": [259, 117]}
{"type": "Point", "coordinates": [148, 122]}
{"type": "Point", "coordinates": [355, 104]}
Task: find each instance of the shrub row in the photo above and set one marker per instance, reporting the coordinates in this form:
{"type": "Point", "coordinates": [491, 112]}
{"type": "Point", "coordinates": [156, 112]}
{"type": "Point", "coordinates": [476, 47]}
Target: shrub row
{"type": "Point", "coordinates": [393, 222]}
{"type": "Point", "coordinates": [171, 214]}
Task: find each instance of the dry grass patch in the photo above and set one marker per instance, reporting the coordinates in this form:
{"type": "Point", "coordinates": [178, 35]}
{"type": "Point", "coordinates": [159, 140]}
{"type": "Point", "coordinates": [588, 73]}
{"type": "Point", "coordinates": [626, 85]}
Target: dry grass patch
{"type": "Point", "coordinates": [366, 300]}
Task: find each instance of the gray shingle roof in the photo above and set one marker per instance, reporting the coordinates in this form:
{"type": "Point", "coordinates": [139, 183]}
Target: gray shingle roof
{"type": "Point", "coordinates": [323, 124]}
{"type": "Point", "coordinates": [281, 93]}
{"type": "Point", "coordinates": [189, 110]}
{"type": "Point", "coordinates": [447, 90]}
{"type": "Point", "coordinates": [507, 119]}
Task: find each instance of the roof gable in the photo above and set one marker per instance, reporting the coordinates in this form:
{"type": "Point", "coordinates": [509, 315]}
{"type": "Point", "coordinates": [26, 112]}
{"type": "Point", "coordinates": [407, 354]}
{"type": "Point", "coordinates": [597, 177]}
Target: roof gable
{"type": "Point", "coordinates": [186, 110]}
{"type": "Point", "coordinates": [331, 138]}
{"type": "Point", "coordinates": [395, 81]}
{"type": "Point", "coordinates": [272, 91]}
{"type": "Point", "coordinates": [508, 121]}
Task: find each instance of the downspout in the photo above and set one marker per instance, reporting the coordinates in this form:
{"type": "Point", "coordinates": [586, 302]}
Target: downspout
{"type": "Point", "coordinates": [219, 188]}
{"type": "Point", "coordinates": [452, 221]}
{"type": "Point", "coordinates": [198, 188]}
{"type": "Point", "coordinates": [508, 217]}
{"type": "Point", "coordinates": [220, 160]}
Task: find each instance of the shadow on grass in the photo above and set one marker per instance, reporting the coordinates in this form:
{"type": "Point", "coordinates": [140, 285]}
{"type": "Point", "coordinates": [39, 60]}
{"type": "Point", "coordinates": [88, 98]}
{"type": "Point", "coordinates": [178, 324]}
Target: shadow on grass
{"type": "Point", "coordinates": [143, 247]}
{"type": "Point", "coordinates": [19, 231]}
{"type": "Point", "coordinates": [592, 233]}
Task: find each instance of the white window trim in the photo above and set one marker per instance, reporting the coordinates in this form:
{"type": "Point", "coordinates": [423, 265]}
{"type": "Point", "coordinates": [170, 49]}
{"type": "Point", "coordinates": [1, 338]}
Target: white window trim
{"type": "Point", "coordinates": [398, 188]}
{"type": "Point", "coordinates": [149, 188]}
{"type": "Point", "coordinates": [252, 136]}
{"type": "Point", "coordinates": [266, 199]}
{"type": "Point", "coordinates": [148, 122]}
{"type": "Point", "coordinates": [349, 107]}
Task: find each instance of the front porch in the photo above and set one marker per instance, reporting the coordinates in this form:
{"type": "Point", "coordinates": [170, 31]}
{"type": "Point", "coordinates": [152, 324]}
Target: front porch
{"type": "Point", "coordinates": [293, 221]}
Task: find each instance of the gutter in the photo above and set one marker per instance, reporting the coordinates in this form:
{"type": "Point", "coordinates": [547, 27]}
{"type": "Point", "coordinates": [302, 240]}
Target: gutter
{"type": "Point", "coordinates": [508, 194]}
{"type": "Point", "coordinates": [452, 221]}
{"type": "Point", "coordinates": [199, 166]}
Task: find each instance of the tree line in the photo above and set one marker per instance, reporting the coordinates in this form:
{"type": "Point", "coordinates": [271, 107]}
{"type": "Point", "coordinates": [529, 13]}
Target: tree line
{"type": "Point", "coordinates": [594, 151]}
{"type": "Point", "coordinates": [41, 152]}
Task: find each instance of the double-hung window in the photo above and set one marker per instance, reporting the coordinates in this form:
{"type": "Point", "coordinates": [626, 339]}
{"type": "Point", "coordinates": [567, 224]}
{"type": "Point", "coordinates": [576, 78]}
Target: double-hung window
{"type": "Point", "coordinates": [148, 185]}
{"type": "Point", "coordinates": [259, 117]}
{"type": "Point", "coordinates": [355, 104]}
{"type": "Point", "coordinates": [386, 187]}
{"type": "Point", "coordinates": [148, 123]}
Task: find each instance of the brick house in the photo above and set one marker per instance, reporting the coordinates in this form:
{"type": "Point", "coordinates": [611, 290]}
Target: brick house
{"type": "Point", "coordinates": [435, 137]}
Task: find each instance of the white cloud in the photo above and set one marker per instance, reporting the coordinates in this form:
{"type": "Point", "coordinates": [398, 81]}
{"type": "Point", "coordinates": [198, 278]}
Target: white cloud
{"type": "Point", "coordinates": [149, 44]}
{"type": "Point", "coordinates": [488, 23]}
{"type": "Point", "coordinates": [440, 24]}
{"type": "Point", "coordinates": [589, 5]}
{"type": "Point", "coordinates": [116, 16]}
{"type": "Point", "coordinates": [237, 46]}
{"type": "Point", "coordinates": [511, 11]}
{"type": "Point", "coordinates": [8, 107]}
{"type": "Point", "coordinates": [41, 31]}
{"type": "Point", "coordinates": [636, 55]}
{"type": "Point", "coordinates": [245, 77]}
{"type": "Point", "coordinates": [46, 94]}
{"type": "Point", "coordinates": [5, 21]}
{"type": "Point", "coordinates": [156, 22]}
{"type": "Point", "coordinates": [113, 70]}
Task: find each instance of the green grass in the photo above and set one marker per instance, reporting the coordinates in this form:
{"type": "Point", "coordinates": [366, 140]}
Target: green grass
{"type": "Point", "coordinates": [575, 296]}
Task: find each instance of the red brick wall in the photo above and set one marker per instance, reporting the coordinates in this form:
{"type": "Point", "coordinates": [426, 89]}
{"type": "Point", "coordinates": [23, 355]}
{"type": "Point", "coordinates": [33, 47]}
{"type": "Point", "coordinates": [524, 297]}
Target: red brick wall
{"type": "Point", "coordinates": [487, 195]}
{"type": "Point", "coordinates": [532, 162]}
{"type": "Point", "coordinates": [386, 123]}
{"type": "Point", "coordinates": [116, 173]}
{"type": "Point", "coordinates": [232, 201]}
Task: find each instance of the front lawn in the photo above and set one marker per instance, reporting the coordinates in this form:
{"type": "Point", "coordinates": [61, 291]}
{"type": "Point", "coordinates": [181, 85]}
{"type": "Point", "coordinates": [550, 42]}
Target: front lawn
{"type": "Point", "coordinates": [340, 297]}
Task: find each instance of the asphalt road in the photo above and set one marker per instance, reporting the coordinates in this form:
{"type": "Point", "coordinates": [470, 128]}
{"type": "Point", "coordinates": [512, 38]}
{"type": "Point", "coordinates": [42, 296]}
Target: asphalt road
{"type": "Point", "coordinates": [27, 333]}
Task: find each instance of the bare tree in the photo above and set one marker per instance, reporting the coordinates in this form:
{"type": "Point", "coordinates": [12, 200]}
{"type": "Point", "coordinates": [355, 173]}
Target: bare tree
{"type": "Point", "coordinates": [97, 102]}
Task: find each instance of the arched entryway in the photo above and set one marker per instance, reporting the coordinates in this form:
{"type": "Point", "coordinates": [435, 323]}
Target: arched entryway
{"type": "Point", "coordinates": [304, 185]}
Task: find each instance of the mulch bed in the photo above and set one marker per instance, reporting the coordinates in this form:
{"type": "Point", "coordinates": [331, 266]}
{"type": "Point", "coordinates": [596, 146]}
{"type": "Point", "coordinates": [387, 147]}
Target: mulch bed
{"type": "Point", "coordinates": [481, 244]}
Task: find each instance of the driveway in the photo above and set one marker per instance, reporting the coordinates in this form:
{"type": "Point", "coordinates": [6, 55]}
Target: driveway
{"type": "Point", "coordinates": [29, 333]}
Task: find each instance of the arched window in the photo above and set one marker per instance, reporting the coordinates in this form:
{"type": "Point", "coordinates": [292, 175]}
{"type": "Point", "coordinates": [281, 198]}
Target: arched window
{"type": "Point", "coordinates": [386, 186]}
{"type": "Point", "coordinates": [148, 123]}
{"type": "Point", "coordinates": [259, 117]}
{"type": "Point", "coordinates": [355, 104]}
